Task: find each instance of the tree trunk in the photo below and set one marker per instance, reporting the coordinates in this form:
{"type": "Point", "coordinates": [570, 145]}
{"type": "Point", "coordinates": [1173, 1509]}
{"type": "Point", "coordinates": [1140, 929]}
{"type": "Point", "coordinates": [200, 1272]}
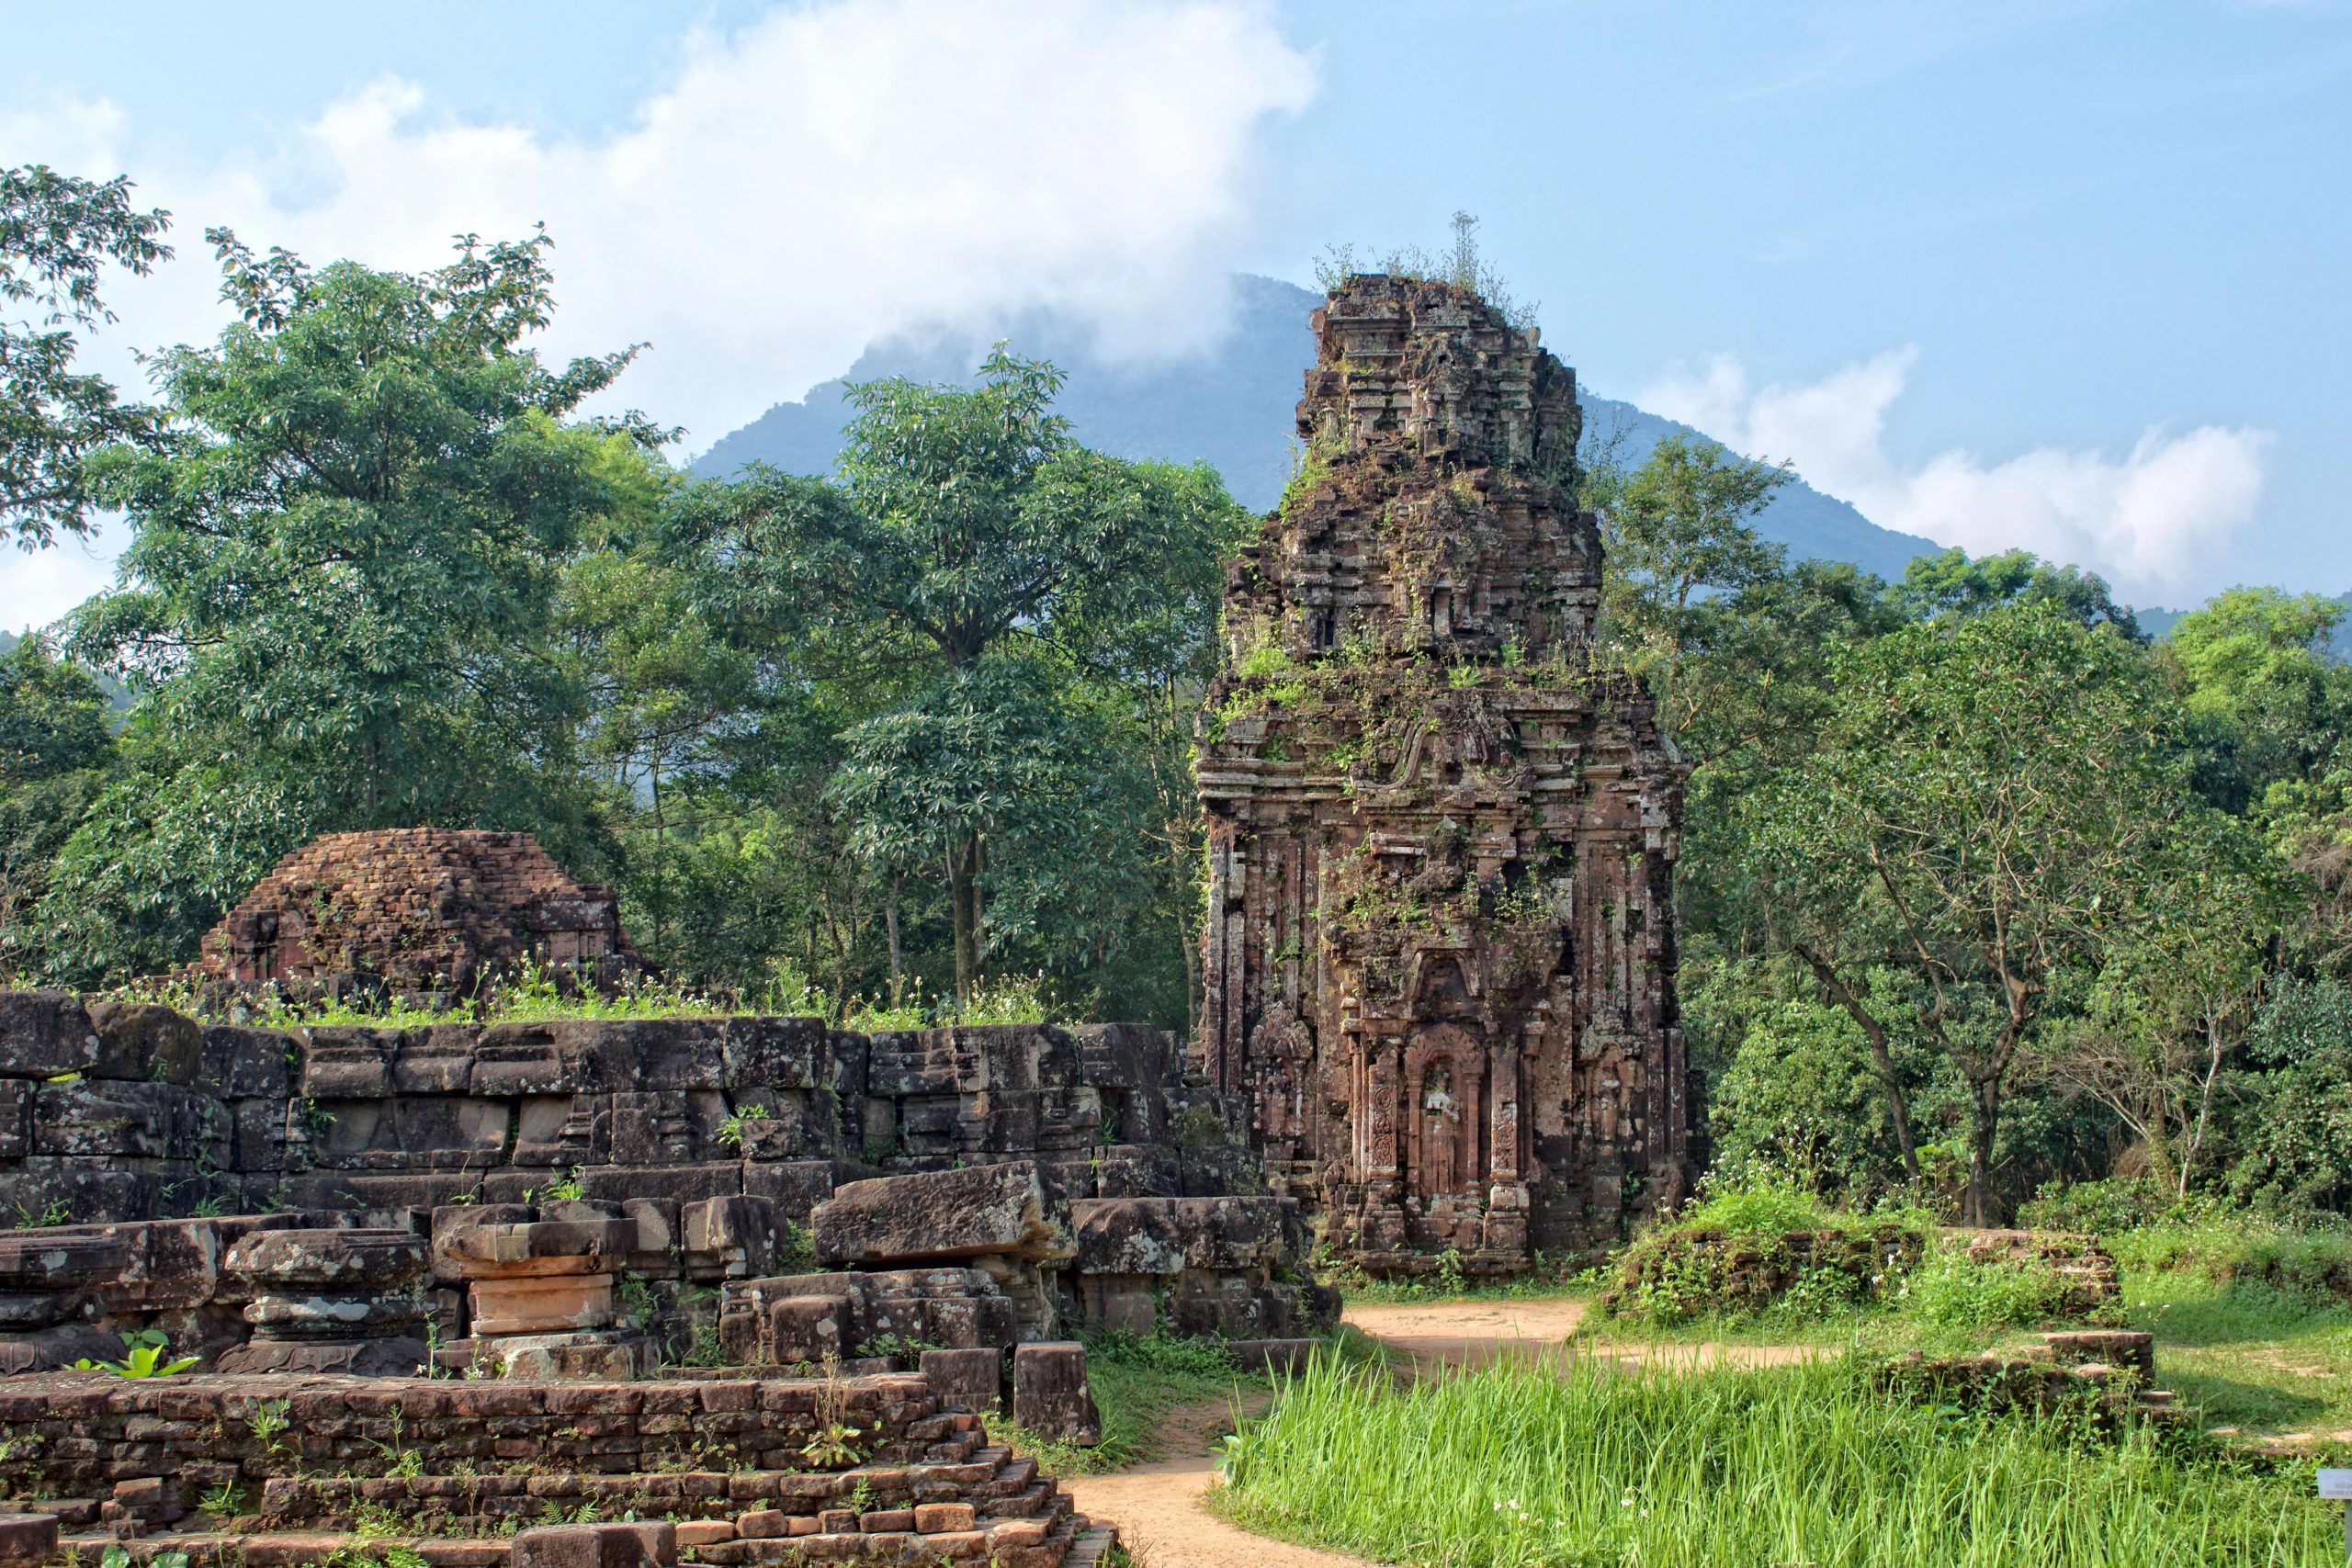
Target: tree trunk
{"type": "Point", "coordinates": [1882, 1056]}
{"type": "Point", "coordinates": [1984, 1120]}
{"type": "Point", "coordinates": [964, 900]}
{"type": "Point", "coordinates": [890, 924]}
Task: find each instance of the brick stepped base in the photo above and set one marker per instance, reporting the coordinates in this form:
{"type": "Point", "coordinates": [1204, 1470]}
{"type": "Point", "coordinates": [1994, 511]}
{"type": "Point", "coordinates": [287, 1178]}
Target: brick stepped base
{"type": "Point", "coordinates": [733, 1465]}
{"type": "Point", "coordinates": [966, 1501]}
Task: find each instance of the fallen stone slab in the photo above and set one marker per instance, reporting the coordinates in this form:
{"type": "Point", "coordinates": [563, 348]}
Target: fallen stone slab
{"type": "Point", "coordinates": [1283, 1356]}
{"type": "Point", "coordinates": [1167, 1235]}
{"type": "Point", "coordinates": [939, 1216]}
{"type": "Point", "coordinates": [653, 1545]}
{"type": "Point", "coordinates": [28, 1537]}
{"type": "Point", "coordinates": [397, 1356]}
{"type": "Point", "coordinates": [971, 1380]}
{"type": "Point", "coordinates": [505, 1240]}
{"type": "Point", "coordinates": [44, 1034]}
{"type": "Point", "coordinates": [347, 1261]}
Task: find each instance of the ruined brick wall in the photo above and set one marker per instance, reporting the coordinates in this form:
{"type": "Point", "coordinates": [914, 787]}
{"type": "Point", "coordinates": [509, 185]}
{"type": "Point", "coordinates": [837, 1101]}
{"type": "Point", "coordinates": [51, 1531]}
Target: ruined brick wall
{"type": "Point", "coordinates": [692, 1152]}
{"type": "Point", "coordinates": [1440, 947]}
{"type": "Point", "coordinates": [415, 910]}
{"type": "Point", "coordinates": [68, 1434]}
{"type": "Point", "coordinates": [111, 1111]}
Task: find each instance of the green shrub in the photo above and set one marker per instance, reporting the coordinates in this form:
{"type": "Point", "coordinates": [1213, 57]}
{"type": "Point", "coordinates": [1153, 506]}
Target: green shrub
{"type": "Point", "coordinates": [1950, 1291]}
{"type": "Point", "coordinates": [1764, 1203]}
{"type": "Point", "coordinates": [2119, 1203]}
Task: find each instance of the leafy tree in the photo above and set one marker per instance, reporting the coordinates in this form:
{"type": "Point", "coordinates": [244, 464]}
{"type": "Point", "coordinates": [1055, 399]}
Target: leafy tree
{"type": "Point", "coordinates": [1952, 583]}
{"type": "Point", "coordinates": [971, 545]}
{"type": "Point", "coordinates": [2172, 1005]}
{"type": "Point", "coordinates": [1795, 1089]}
{"type": "Point", "coordinates": [2295, 1120]}
{"type": "Point", "coordinates": [2268, 701]}
{"type": "Point", "coordinates": [1993, 801]}
{"type": "Point", "coordinates": [56, 232]}
{"type": "Point", "coordinates": [1678, 544]}
{"type": "Point", "coordinates": [339, 589]}
{"type": "Point", "coordinates": [56, 744]}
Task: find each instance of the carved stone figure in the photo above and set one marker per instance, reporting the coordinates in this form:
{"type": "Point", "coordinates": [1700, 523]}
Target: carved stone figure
{"type": "Point", "coordinates": [1440, 944]}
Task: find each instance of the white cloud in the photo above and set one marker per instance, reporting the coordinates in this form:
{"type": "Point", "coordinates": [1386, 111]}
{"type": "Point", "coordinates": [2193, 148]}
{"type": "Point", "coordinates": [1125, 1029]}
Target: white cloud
{"type": "Point", "coordinates": [827, 176]}
{"type": "Point", "coordinates": [2155, 522]}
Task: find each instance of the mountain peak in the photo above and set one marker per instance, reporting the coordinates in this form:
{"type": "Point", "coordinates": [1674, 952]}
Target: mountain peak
{"type": "Point", "coordinates": [1233, 408]}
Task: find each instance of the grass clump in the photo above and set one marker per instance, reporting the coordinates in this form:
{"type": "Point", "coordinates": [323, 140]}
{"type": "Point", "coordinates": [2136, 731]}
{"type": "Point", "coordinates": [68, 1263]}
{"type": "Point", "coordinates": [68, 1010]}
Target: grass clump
{"type": "Point", "coordinates": [1560, 1461]}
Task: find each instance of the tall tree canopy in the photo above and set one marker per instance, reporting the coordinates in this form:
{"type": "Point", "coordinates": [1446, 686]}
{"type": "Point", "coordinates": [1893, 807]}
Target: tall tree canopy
{"type": "Point", "coordinates": [56, 233]}
{"type": "Point", "coordinates": [344, 552]}
{"type": "Point", "coordinates": [1994, 803]}
{"type": "Point", "coordinates": [979, 561]}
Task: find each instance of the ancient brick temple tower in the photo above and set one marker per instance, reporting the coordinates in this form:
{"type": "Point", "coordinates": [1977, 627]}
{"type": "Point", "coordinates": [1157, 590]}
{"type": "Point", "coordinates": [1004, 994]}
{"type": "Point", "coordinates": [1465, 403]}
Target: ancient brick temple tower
{"type": "Point", "coordinates": [1439, 940]}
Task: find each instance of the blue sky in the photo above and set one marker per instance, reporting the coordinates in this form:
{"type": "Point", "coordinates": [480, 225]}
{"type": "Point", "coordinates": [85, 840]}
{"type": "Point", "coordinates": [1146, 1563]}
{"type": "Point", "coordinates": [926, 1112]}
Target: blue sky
{"type": "Point", "coordinates": [2072, 276]}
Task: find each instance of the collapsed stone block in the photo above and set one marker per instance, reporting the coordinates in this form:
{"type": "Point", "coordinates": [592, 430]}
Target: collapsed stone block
{"type": "Point", "coordinates": [727, 1237]}
{"type": "Point", "coordinates": [939, 1216]}
{"type": "Point", "coordinates": [44, 1034]}
{"type": "Point", "coordinates": [1049, 1393]}
{"type": "Point", "coordinates": [541, 1272]}
{"type": "Point", "coordinates": [28, 1537]}
{"type": "Point", "coordinates": [806, 1319]}
{"type": "Point", "coordinates": [410, 1132]}
{"type": "Point", "coordinates": [583, 1356]}
{"type": "Point", "coordinates": [652, 1545]}
{"type": "Point", "coordinates": [560, 1304]}
{"type": "Point", "coordinates": [106, 1118]}
{"type": "Point", "coordinates": [965, 1380]}
{"type": "Point", "coordinates": [143, 1043]}
{"type": "Point", "coordinates": [1197, 1266]}
{"type": "Point", "coordinates": [340, 1301]}
{"type": "Point", "coordinates": [239, 1063]}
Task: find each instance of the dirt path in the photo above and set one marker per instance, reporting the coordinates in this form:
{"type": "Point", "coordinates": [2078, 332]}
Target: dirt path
{"type": "Point", "coordinates": [1473, 1334]}
{"type": "Point", "coordinates": [1158, 1507]}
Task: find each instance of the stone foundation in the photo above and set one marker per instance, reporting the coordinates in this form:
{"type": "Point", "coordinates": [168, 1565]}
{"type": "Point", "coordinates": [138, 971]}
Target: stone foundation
{"type": "Point", "coordinates": [602, 1196]}
{"type": "Point", "coordinates": [111, 1111]}
{"type": "Point", "coordinates": [848, 1469]}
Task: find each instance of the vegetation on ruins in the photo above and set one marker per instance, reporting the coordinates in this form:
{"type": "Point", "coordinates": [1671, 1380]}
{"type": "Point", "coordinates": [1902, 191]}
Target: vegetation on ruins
{"type": "Point", "coordinates": [144, 1355]}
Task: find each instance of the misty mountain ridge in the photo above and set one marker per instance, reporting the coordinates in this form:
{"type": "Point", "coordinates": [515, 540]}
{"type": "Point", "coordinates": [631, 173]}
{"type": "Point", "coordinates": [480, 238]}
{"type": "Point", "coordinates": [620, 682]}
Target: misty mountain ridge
{"type": "Point", "coordinates": [1235, 408]}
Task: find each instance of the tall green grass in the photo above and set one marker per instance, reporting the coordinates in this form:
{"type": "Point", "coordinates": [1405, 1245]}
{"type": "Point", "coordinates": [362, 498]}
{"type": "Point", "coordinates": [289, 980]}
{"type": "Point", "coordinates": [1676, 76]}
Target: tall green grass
{"type": "Point", "coordinates": [1577, 1462]}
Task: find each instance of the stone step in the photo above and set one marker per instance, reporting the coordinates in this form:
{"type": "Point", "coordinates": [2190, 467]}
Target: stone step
{"type": "Point", "coordinates": [1091, 1548]}
{"type": "Point", "coordinates": [1009, 1481]}
{"type": "Point", "coordinates": [707, 1493]}
{"type": "Point", "coordinates": [960, 1447]}
{"type": "Point", "coordinates": [1012, 1543]}
{"type": "Point", "coordinates": [1044, 1499]}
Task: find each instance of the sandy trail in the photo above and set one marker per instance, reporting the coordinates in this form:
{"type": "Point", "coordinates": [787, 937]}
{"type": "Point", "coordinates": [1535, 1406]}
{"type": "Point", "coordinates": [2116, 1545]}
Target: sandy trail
{"type": "Point", "coordinates": [1158, 1507]}
{"type": "Point", "coordinates": [1475, 1334]}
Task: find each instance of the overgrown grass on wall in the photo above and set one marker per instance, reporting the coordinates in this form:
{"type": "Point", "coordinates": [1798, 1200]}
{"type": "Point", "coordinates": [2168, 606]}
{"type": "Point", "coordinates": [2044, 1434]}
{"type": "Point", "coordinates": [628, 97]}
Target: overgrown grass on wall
{"type": "Point", "coordinates": [1536, 1462]}
{"type": "Point", "coordinates": [539, 996]}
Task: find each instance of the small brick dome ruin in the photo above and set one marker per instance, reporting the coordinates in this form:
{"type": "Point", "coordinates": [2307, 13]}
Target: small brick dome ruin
{"type": "Point", "coordinates": [413, 911]}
